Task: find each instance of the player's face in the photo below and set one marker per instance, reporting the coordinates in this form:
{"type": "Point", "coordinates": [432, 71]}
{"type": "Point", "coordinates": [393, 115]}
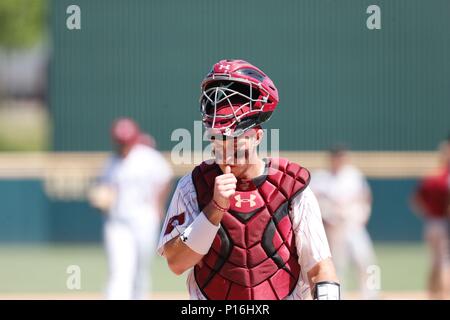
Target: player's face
{"type": "Point", "coordinates": [122, 150]}
{"type": "Point", "coordinates": [444, 153]}
{"type": "Point", "coordinates": [447, 153]}
{"type": "Point", "coordinates": [237, 151]}
{"type": "Point", "coordinates": [338, 160]}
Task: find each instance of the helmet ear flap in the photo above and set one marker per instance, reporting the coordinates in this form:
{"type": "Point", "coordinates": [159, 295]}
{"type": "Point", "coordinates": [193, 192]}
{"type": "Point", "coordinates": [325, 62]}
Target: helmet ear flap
{"type": "Point", "coordinates": [264, 116]}
{"type": "Point", "coordinates": [251, 122]}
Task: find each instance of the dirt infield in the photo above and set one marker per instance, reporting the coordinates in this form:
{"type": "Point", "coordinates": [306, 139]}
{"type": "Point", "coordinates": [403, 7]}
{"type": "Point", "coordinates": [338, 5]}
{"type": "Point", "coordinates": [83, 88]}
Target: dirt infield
{"type": "Point", "coordinates": [400, 295]}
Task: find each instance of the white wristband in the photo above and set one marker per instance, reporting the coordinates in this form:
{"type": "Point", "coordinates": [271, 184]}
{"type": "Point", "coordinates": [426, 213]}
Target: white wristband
{"type": "Point", "coordinates": [327, 290]}
{"type": "Point", "coordinates": [199, 235]}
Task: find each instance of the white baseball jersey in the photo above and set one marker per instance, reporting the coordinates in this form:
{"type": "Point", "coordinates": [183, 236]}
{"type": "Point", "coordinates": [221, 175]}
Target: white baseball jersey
{"type": "Point", "coordinates": [137, 180]}
{"type": "Point", "coordinates": [310, 238]}
{"type": "Point", "coordinates": [131, 227]}
{"type": "Point", "coordinates": [342, 196]}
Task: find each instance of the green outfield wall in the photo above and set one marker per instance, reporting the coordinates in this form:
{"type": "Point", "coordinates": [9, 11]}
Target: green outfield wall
{"type": "Point", "coordinates": [381, 89]}
{"type": "Point", "coordinates": [27, 215]}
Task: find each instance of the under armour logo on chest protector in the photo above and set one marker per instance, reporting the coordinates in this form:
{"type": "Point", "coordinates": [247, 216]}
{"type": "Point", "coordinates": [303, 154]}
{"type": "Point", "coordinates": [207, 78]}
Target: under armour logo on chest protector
{"type": "Point", "coordinates": [250, 200]}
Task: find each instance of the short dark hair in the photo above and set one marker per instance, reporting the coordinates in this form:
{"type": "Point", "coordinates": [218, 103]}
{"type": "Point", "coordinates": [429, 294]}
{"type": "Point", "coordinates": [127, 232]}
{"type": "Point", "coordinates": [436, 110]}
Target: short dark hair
{"type": "Point", "coordinates": [338, 149]}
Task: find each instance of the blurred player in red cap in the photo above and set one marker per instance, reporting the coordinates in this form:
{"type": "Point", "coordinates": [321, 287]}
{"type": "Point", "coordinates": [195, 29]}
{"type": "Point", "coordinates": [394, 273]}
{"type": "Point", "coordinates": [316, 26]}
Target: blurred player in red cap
{"type": "Point", "coordinates": [132, 192]}
{"type": "Point", "coordinates": [125, 134]}
{"type": "Point", "coordinates": [431, 200]}
{"type": "Point", "coordinates": [247, 228]}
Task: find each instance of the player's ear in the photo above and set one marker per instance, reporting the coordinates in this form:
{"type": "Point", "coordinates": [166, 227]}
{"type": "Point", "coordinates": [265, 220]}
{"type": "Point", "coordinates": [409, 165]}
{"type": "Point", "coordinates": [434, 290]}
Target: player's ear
{"type": "Point", "coordinates": [259, 135]}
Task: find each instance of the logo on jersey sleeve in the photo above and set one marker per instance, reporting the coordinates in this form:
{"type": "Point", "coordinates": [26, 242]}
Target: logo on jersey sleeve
{"type": "Point", "coordinates": [173, 222]}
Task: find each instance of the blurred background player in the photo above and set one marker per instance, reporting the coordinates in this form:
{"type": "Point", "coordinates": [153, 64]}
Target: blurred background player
{"type": "Point", "coordinates": [345, 200]}
{"type": "Point", "coordinates": [147, 140]}
{"type": "Point", "coordinates": [431, 201]}
{"type": "Point", "coordinates": [132, 192]}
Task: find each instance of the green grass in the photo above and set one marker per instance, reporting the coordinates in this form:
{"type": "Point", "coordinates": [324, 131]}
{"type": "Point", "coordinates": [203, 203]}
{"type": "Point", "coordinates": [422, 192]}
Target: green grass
{"type": "Point", "coordinates": [42, 269]}
{"type": "Point", "coordinates": [403, 267]}
{"type": "Point", "coordinates": [31, 269]}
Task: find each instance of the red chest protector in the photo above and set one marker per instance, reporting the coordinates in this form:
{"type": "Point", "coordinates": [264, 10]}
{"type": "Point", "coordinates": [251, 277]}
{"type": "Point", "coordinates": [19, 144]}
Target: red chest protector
{"type": "Point", "coordinates": [253, 255]}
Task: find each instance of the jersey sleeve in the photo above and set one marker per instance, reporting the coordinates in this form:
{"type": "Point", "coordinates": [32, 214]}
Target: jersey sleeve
{"type": "Point", "coordinates": [310, 238]}
{"type": "Point", "coordinates": [181, 213]}
{"type": "Point", "coordinates": [164, 169]}
{"type": "Point", "coordinates": [365, 186]}
{"type": "Point", "coordinates": [105, 175]}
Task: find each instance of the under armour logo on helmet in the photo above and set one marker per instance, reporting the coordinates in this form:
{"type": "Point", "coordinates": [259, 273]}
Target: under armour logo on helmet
{"type": "Point", "coordinates": [239, 200]}
{"type": "Point", "coordinates": [224, 66]}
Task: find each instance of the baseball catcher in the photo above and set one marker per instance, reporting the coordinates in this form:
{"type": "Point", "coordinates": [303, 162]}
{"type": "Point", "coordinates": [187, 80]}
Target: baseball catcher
{"type": "Point", "coordinates": [246, 227]}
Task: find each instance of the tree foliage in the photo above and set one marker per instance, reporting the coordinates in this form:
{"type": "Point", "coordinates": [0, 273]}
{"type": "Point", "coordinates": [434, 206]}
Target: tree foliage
{"type": "Point", "coordinates": [22, 22]}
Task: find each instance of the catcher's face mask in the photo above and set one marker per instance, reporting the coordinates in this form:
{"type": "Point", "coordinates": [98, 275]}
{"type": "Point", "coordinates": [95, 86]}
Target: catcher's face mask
{"type": "Point", "coordinates": [232, 107]}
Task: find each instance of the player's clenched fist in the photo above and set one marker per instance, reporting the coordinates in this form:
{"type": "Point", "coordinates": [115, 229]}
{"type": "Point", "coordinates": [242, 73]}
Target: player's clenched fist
{"type": "Point", "coordinates": [224, 188]}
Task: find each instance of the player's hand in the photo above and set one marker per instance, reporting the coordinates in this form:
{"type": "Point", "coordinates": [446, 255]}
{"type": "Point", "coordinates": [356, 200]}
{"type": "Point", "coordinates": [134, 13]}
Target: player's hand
{"type": "Point", "coordinates": [224, 188]}
{"type": "Point", "coordinates": [102, 197]}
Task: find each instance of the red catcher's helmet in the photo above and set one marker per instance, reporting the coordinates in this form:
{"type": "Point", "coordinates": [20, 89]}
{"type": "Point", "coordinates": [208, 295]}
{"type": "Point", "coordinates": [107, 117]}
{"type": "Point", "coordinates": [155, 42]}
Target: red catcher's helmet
{"type": "Point", "coordinates": [235, 97]}
{"type": "Point", "coordinates": [125, 131]}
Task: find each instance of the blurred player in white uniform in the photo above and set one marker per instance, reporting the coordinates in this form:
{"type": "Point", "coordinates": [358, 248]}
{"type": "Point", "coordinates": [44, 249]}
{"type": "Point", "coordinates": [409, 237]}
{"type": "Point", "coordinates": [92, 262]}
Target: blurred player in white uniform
{"type": "Point", "coordinates": [431, 200]}
{"type": "Point", "coordinates": [132, 191]}
{"type": "Point", "coordinates": [246, 228]}
{"type": "Point", "coordinates": [345, 200]}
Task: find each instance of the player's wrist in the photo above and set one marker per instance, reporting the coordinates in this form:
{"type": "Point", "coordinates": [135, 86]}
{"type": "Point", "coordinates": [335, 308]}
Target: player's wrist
{"type": "Point", "coordinates": [213, 213]}
{"type": "Point", "coordinates": [200, 234]}
{"type": "Point", "coordinates": [327, 290]}
{"type": "Point", "coordinates": [219, 206]}
{"type": "Point", "coordinates": [221, 202]}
